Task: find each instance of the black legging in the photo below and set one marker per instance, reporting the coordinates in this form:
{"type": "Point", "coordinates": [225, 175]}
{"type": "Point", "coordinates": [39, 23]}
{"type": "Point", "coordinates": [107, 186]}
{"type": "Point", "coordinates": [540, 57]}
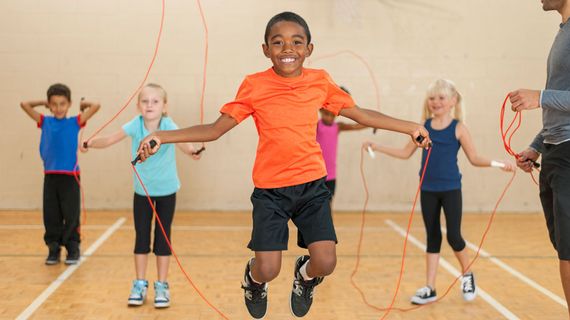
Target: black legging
{"type": "Point", "coordinates": [432, 202]}
{"type": "Point", "coordinates": [142, 211]}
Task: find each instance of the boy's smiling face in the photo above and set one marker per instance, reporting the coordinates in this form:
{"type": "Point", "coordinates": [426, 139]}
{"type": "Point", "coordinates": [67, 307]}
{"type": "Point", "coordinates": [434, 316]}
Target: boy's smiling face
{"type": "Point", "coordinates": [59, 105]}
{"type": "Point", "coordinates": [287, 47]}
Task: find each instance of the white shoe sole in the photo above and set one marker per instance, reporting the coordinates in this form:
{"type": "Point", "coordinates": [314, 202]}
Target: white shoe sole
{"type": "Point", "coordinates": [162, 304]}
{"type": "Point", "coordinates": [471, 296]}
{"type": "Point", "coordinates": [136, 302]}
{"type": "Point", "coordinates": [420, 301]}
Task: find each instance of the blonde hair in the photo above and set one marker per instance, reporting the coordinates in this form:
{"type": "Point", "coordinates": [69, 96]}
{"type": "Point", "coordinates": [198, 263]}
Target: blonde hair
{"type": "Point", "coordinates": [159, 88]}
{"type": "Point", "coordinates": [447, 88]}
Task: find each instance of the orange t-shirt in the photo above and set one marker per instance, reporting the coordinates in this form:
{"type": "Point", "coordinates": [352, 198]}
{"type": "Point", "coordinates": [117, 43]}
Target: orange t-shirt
{"type": "Point", "coordinates": [285, 111]}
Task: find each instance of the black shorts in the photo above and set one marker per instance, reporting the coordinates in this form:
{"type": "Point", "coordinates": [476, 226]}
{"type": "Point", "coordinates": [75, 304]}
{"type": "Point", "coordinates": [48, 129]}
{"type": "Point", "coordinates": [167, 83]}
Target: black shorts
{"type": "Point", "coordinates": [307, 204]}
{"type": "Point", "coordinates": [331, 184]}
{"type": "Point", "coordinates": [555, 196]}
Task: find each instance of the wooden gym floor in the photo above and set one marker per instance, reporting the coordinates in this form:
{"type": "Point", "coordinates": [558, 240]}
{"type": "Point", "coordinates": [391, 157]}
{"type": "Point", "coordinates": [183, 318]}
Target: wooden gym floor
{"type": "Point", "coordinates": [517, 278]}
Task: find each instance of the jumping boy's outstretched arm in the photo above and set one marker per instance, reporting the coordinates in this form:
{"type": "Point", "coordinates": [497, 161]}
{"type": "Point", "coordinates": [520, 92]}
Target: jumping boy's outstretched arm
{"type": "Point", "coordinates": [198, 133]}
{"type": "Point", "coordinates": [350, 126]}
{"type": "Point", "coordinates": [378, 120]}
{"type": "Point", "coordinates": [28, 107]}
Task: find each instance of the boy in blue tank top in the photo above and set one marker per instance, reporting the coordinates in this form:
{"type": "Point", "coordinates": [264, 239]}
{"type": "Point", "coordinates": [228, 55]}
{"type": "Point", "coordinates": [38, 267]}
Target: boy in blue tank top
{"type": "Point", "coordinates": [442, 182]}
{"type": "Point", "coordinates": [58, 150]}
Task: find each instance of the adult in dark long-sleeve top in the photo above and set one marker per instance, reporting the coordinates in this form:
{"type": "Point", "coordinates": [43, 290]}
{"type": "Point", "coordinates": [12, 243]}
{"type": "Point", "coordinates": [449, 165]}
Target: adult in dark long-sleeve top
{"type": "Point", "coordinates": [553, 140]}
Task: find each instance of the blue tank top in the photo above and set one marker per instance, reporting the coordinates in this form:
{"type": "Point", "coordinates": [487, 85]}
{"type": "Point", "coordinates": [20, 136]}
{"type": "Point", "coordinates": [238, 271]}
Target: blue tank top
{"type": "Point", "coordinates": [58, 144]}
{"type": "Point", "coordinates": [442, 173]}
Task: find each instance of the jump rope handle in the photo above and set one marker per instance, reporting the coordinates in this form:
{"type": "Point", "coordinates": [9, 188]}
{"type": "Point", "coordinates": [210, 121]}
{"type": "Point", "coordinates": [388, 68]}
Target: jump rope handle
{"type": "Point", "coordinates": [534, 163]}
{"type": "Point", "coordinates": [80, 101]}
{"type": "Point", "coordinates": [369, 148]}
{"type": "Point", "coordinates": [198, 151]}
{"type": "Point", "coordinates": [497, 164]}
{"type": "Point", "coordinates": [152, 144]}
{"type": "Point", "coordinates": [371, 152]}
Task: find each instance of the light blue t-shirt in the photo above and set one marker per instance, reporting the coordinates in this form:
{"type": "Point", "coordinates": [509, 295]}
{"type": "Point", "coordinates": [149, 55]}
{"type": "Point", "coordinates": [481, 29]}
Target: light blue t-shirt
{"type": "Point", "coordinates": [158, 173]}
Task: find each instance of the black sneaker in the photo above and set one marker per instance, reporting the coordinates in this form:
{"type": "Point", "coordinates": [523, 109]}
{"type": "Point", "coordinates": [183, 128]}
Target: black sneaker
{"type": "Point", "coordinates": [424, 295]}
{"type": "Point", "coordinates": [302, 293]}
{"type": "Point", "coordinates": [468, 286]}
{"type": "Point", "coordinates": [54, 254]}
{"type": "Point", "coordinates": [72, 256]}
{"type": "Point", "coordinates": [255, 295]}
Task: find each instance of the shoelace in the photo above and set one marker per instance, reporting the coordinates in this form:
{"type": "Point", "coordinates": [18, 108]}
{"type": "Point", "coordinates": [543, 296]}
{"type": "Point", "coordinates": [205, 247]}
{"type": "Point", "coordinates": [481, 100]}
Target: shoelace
{"type": "Point", "coordinates": [137, 289]}
{"type": "Point", "coordinates": [468, 283]}
{"type": "Point", "coordinates": [254, 293]}
{"type": "Point", "coordinates": [307, 286]}
{"type": "Point", "coordinates": [161, 290]}
{"type": "Point", "coordinates": [423, 292]}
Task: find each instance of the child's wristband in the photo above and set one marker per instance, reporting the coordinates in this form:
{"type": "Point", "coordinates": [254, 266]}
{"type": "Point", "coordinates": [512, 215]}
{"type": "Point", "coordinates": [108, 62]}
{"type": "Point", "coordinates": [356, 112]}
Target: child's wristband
{"type": "Point", "coordinates": [497, 164]}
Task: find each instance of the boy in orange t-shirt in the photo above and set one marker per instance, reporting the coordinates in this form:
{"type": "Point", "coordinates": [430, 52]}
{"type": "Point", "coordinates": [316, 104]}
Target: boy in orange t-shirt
{"type": "Point", "coordinates": [289, 171]}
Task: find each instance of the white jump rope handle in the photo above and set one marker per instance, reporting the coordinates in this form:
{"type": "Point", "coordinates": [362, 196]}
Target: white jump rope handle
{"type": "Point", "coordinates": [371, 152]}
{"type": "Point", "coordinates": [497, 164]}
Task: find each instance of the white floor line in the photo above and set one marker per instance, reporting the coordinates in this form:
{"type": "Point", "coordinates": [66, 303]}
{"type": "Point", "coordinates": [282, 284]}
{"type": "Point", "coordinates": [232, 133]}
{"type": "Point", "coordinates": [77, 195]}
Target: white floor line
{"type": "Point", "coordinates": [69, 271]}
{"type": "Point", "coordinates": [447, 266]}
{"type": "Point", "coordinates": [517, 274]}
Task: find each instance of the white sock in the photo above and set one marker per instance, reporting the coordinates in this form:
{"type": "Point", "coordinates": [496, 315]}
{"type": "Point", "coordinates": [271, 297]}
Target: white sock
{"type": "Point", "coordinates": [303, 271]}
{"type": "Point", "coordinates": [252, 279]}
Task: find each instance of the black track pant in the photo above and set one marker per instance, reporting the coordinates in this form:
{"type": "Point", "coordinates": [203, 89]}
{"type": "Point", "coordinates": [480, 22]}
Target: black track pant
{"type": "Point", "coordinates": [61, 207]}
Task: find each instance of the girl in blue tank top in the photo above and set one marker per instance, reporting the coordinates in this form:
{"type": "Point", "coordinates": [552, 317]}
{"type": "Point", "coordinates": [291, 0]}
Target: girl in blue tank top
{"type": "Point", "coordinates": [441, 187]}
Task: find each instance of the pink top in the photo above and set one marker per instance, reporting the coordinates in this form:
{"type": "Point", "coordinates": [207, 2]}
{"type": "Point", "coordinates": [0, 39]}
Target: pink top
{"type": "Point", "coordinates": [327, 137]}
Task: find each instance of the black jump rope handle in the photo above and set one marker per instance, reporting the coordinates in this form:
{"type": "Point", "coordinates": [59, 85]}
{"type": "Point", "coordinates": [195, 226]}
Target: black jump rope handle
{"type": "Point", "coordinates": [534, 163]}
{"type": "Point", "coordinates": [152, 144]}
{"type": "Point", "coordinates": [199, 151]}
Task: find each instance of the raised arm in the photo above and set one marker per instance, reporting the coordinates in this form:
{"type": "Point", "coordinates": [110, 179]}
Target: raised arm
{"type": "Point", "coordinates": [88, 109]}
{"type": "Point", "coordinates": [401, 153]}
{"type": "Point", "coordinates": [350, 126]}
{"type": "Point", "coordinates": [468, 146]}
{"type": "Point", "coordinates": [28, 107]}
{"type": "Point", "coordinates": [378, 120]}
{"type": "Point", "coordinates": [198, 133]}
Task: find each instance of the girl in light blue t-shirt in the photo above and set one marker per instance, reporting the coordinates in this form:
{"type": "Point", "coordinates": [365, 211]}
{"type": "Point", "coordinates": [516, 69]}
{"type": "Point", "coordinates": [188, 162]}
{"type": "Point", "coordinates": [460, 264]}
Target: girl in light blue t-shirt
{"type": "Point", "coordinates": [160, 177]}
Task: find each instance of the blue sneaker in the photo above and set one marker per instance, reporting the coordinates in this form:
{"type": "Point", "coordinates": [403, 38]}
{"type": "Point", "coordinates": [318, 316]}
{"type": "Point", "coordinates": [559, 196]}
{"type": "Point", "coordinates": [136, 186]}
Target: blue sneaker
{"type": "Point", "coordinates": [161, 295]}
{"type": "Point", "coordinates": [138, 292]}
